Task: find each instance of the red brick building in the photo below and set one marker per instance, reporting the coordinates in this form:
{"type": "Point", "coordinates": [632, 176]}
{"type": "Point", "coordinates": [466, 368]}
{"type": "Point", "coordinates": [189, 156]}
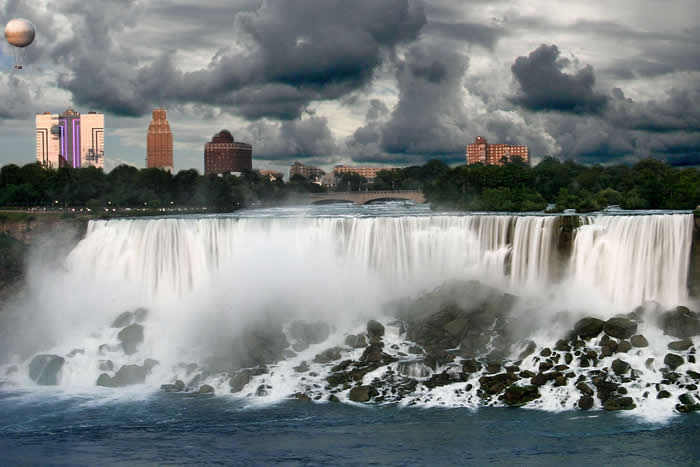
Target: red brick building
{"type": "Point", "coordinates": [224, 155]}
{"type": "Point", "coordinates": [480, 151]}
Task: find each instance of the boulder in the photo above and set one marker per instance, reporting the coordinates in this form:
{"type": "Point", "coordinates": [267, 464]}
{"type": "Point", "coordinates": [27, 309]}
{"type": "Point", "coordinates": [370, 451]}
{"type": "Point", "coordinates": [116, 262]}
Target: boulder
{"type": "Point", "coordinates": [356, 341]}
{"type": "Point", "coordinates": [306, 334]}
{"type": "Point", "coordinates": [302, 367]}
{"type": "Point", "coordinates": [123, 320]}
{"type": "Point", "coordinates": [619, 403]}
{"type": "Point", "coordinates": [624, 346]}
{"type": "Point", "coordinates": [589, 327]}
{"type": "Point", "coordinates": [585, 403]}
{"type": "Point", "coordinates": [362, 393]}
{"type": "Point", "coordinates": [457, 327]}
{"type": "Point", "coordinates": [437, 357]}
{"type": "Point", "coordinates": [328, 355]}
{"type": "Point", "coordinates": [585, 389]}
{"type": "Point", "coordinates": [663, 394]}
{"type": "Point", "coordinates": [673, 361]}
{"type": "Point", "coordinates": [680, 322]}
{"type": "Point", "coordinates": [104, 380]}
{"type": "Point", "coordinates": [178, 386]}
{"type": "Point", "coordinates": [373, 354]}
{"type": "Point", "coordinates": [261, 345]}
{"type": "Point", "coordinates": [333, 398]}
{"type": "Point", "coordinates": [106, 365]}
{"type": "Point", "coordinates": [44, 369]}
{"type": "Point", "coordinates": [681, 345]}
{"type": "Point", "coordinates": [529, 350]}
{"type": "Point", "coordinates": [441, 379]}
{"type": "Point", "coordinates": [130, 374]}
{"type": "Point", "coordinates": [149, 363]}
{"type": "Point", "coordinates": [497, 383]}
{"type": "Point", "coordinates": [205, 389]}
{"type": "Point", "coordinates": [239, 380]}
{"type": "Point", "coordinates": [621, 328]}
{"type": "Point", "coordinates": [639, 341]}
{"type": "Point", "coordinates": [263, 390]}
{"type": "Point", "coordinates": [131, 337]}
{"type": "Point", "coordinates": [375, 329]}
{"type": "Point", "coordinates": [520, 395]}
{"type": "Point", "coordinates": [471, 366]}
{"type": "Point", "coordinates": [620, 367]}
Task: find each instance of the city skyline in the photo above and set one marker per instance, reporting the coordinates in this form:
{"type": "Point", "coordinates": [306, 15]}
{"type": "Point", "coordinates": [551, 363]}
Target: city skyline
{"type": "Point", "coordinates": [593, 82]}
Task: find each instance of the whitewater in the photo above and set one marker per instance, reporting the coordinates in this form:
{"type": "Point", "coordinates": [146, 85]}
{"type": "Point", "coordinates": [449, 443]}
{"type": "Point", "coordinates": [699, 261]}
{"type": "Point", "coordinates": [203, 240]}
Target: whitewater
{"type": "Point", "coordinates": [206, 281]}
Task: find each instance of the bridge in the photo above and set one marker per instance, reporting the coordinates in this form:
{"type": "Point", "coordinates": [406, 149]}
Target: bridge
{"type": "Point", "coordinates": [365, 197]}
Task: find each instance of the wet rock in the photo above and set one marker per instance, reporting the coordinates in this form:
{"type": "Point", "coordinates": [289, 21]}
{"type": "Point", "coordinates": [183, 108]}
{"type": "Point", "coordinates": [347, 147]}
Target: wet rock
{"type": "Point", "coordinates": [178, 386]}
{"type": "Point", "coordinates": [562, 346]}
{"type": "Point", "coordinates": [681, 345]}
{"type": "Point", "coordinates": [263, 390]}
{"type": "Point", "coordinates": [568, 358]}
{"type": "Point", "coordinates": [624, 346]}
{"type": "Point", "coordinates": [375, 330]}
{"type": "Point", "coordinates": [104, 380]}
{"type": "Point", "coordinates": [516, 395]}
{"type": "Point", "coordinates": [205, 389]}
{"type": "Point", "coordinates": [300, 396]}
{"type": "Point", "coordinates": [493, 367]}
{"type": "Point", "coordinates": [130, 374]}
{"type": "Point", "coordinates": [140, 314]}
{"type": "Point", "coordinates": [306, 334]}
{"type": "Point", "coordinates": [328, 355]}
{"type": "Point", "coordinates": [688, 408]}
{"type": "Point", "coordinates": [663, 394]}
{"type": "Point", "coordinates": [619, 403]}
{"type": "Point", "coordinates": [471, 366]}
{"type": "Point", "coordinates": [415, 350]}
{"type": "Point", "coordinates": [342, 366]}
{"type": "Point", "coordinates": [362, 393]}
{"type": "Point", "coordinates": [539, 379]}
{"type": "Point", "coordinates": [529, 350]}
{"type": "Point", "coordinates": [680, 322]}
{"type": "Point", "coordinates": [585, 389]}
{"type": "Point", "coordinates": [440, 379]}
{"type": "Point", "coordinates": [239, 380]}
{"type": "Point", "coordinates": [373, 354]}
{"type": "Point", "coordinates": [527, 374]}
{"type": "Point", "coordinates": [302, 367]}
{"type": "Point", "coordinates": [649, 363]}
{"type": "Point", "coordinates": [585, 403]}
{"type": "Point", "coordinates": [605, 388]}
{"type": "Point", "coordinates": [673, 361]}
{"type": "Point", "coordinates": [622, 328]}
{"type": "Point", "coordinates": [546, 352]}
{"type": "Point", "coordinates": [545, 366]}
{"type": "Point", "coordinates": [123, 320]}
{"type": "Point", "coordinates": [589, 327]}
{"type": "Point", "coordinates": [261, 345]}
{"type": "Point", "coordinates": [686, 399]}
{"type": "Point", "coordinates": [497, 383]}
{"type": "Point", "coordinates": [131, 337]}
{"type": "Point", "coordinates": [620, 367]}
{"type": "Point", "coordinates": [333, 398]}
{"type": "Point", "coordinates": [356, 341]}
{"type": "Point", "coordinates": [44, 369]}
{"type": "Point", "coordinates": [639, 341]}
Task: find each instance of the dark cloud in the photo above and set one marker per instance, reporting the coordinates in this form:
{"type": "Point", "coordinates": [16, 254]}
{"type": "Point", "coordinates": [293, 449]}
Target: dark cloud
{"type": "Point", "coordinates": [15, 98]}
{"type": "Point", "coordinates": [679, 111]}
{"type": "Point", "coordinates": [301, 139]}
{"type": "Point", "coordinates": [545, 85]}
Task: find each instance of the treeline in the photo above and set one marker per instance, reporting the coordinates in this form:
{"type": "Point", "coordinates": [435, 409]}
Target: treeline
{"type": "Point", "coordinates": [515, 186]}
{"type": "Point", "coordinates": [125, 186]}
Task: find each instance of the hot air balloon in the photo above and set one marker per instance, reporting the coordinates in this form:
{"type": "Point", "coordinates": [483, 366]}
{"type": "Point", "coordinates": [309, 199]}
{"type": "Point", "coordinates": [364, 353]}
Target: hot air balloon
{"type": "Point", "coordinates": [19, 34]}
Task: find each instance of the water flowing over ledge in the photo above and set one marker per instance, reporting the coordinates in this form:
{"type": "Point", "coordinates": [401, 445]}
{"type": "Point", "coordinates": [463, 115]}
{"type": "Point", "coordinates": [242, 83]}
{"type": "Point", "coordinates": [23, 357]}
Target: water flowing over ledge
{"type": "Point", "coordinates": [484, 293]}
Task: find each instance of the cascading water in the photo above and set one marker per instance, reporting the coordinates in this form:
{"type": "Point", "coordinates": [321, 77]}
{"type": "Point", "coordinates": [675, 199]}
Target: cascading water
{"type": "Point", "coordinates": [204, 279]}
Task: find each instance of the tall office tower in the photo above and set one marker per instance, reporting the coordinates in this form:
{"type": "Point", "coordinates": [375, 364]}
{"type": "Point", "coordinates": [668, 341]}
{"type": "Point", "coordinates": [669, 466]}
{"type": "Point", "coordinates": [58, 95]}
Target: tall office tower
{"type": "Point", "coordinates": [159, 142]}
{"type": "Point", "coordinates": [70, 139]}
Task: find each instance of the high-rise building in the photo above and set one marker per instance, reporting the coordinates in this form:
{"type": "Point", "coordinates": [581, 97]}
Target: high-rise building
{"type": "Point", "coordinates": [224, 155]}
{"type": "Point", "coordinates": [480, 151]}
{"type": "Point", "coordinates": [159, 142]}
{"type": "Point", "coordinates": [308, 171]}
{"type": "Point", "coordinates": [370, 173]}
{"type": "Point", "coordinates": [70, 139]}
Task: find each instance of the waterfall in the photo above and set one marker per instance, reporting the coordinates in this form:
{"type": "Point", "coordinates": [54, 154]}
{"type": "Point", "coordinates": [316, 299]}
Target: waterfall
{"type": "Point", "coordinates": [629, 258]}
{"type": "Point", "coordinates": [634, 258]}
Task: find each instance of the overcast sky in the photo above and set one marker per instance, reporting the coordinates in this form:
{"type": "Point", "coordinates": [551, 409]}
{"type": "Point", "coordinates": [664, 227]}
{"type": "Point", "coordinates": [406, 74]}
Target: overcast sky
{"type": "Point", "coordinates": [394, 82]}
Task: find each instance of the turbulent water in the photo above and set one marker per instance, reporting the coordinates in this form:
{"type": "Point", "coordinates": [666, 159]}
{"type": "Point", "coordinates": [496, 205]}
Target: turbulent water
{"type": "Point", "coordinates": [206, 280]}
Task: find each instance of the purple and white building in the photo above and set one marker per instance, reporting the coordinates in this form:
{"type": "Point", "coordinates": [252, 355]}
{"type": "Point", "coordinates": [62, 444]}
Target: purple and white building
{"type": "Point", "coordinates": [70, 139]}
